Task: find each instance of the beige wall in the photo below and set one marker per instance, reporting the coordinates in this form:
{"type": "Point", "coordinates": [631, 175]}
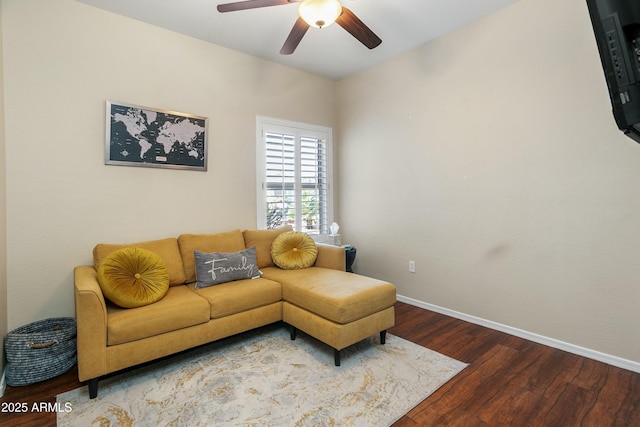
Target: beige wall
{"type": "Point", "coordinates": [3, 220]}
{"type": "Point", "coordinates": [490, 157]}
{"type": "Point", "coordinates": [62, 60]}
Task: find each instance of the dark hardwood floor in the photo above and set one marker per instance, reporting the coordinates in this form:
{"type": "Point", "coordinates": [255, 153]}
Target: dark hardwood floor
{"type": "Point", "coordinates": [509, 382]}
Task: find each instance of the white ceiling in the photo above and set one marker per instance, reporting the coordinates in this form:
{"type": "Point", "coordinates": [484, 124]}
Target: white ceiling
{"type": "Point", "coordinates": [329, 52]}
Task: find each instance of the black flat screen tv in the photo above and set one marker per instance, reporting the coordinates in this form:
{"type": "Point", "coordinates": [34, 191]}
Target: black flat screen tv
{"type": "Point", "coordinates": [616, 25]}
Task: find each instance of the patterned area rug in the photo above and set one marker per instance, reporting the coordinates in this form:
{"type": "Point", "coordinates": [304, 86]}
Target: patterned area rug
{"type": "Point", "coordinates": [262, 378]}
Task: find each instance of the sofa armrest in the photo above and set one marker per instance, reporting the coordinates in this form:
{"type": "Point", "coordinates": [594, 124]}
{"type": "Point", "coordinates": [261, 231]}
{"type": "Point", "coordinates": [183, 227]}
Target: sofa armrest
{"type": "Point", "coordinates": [91, 318]}
{"type": "Point", "coordinates": [330, 256]}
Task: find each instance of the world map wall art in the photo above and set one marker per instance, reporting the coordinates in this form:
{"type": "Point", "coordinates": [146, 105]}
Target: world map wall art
{"type": "Point", "coordinates": [149, 137]}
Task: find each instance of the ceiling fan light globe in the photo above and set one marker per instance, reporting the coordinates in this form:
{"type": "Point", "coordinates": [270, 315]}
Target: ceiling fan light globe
{"type": "Point", "coordinates": [319, 13]}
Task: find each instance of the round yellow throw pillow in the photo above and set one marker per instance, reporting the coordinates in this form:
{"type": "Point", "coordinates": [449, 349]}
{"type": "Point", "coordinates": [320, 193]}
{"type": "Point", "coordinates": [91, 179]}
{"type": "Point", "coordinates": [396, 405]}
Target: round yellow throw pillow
{"type": "Point", "coordinates": [133, 277]}
{"type": "Point", "coordinates": [294, 250]}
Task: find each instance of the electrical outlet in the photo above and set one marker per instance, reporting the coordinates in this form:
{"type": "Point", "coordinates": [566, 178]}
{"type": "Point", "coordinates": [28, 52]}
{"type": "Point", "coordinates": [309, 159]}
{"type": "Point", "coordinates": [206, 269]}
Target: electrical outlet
{"type": "Point", "coordinates": [412, 266]}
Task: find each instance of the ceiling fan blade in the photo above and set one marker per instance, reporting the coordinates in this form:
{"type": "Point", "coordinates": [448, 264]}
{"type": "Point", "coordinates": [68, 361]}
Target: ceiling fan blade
{"type": "Point", "coordinates": [350, 22]}
{"type": "Point", "coordinates": [252, 4]}
{"type": "Point", "coordinates": [297, 32]}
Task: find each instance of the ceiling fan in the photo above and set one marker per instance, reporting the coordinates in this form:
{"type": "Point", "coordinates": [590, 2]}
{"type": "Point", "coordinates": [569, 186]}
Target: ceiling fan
{"type": "Point", "coordinates": [312, 13]}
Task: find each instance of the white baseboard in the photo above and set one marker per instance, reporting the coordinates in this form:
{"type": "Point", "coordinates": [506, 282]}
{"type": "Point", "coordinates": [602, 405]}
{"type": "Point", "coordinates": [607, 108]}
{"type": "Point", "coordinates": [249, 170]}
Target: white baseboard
{"type": "Point", "coordinates": [551, 342]}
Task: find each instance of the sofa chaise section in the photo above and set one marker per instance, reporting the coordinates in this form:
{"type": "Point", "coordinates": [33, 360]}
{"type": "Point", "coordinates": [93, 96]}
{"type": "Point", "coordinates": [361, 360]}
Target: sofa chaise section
{"type": "Point", "coordinates": [335, 307]}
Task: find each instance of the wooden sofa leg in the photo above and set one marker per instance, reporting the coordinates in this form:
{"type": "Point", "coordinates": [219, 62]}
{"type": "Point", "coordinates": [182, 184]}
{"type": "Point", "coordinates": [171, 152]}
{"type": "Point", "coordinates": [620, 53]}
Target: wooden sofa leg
{"type": "Point", "coordinates": [336, 357]}
{"type": "Point", "coordinates": [383, 337]}
{"type": "Point", "coordinates": [93, 388]}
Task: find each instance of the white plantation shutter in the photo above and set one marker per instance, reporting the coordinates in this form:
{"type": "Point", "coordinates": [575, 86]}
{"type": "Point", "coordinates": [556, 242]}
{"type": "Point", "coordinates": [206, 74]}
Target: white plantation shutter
{"type": "Point", "coordinates": [294, 174]}
{"type": "Point", "coordinates": [313, 171]}
{"type": "Point", "coordinates": [280, 182]}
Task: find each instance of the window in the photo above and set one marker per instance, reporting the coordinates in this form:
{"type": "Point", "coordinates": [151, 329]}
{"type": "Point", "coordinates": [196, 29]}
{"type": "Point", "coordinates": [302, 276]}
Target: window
{"type": "Point", "coordinates": [294, 176]}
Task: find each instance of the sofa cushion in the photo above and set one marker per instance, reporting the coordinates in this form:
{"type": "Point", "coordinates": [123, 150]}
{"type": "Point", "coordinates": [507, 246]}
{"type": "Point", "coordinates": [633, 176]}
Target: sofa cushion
{"type": "Point", "coordinates": [133, 277]}
{"type": "Point", "coordinates": [335, 295]}
{"type": "Point", "coordinates": [235, 297]}
{"type": "Point", "coordinates": [230, 241]}
{"type": "Point", "coordinates": [262, 240]}
{"type": "Point", "coordinates": [222, 267]}
{"type": "Point", "coordinates": [180, 308]}
{"type": "Point", "coordinates": [294, 250]}
{"type": "Point", "coordinates": [166, 248]}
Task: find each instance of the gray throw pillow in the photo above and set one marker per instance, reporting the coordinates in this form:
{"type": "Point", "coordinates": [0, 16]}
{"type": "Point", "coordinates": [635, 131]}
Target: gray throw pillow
{"type": "Point", "coordinates": [222, 267]}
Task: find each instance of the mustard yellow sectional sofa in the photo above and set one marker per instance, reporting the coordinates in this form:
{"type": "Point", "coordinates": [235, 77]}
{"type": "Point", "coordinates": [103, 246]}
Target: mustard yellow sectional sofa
{"type": "Point", "coordinates": [323, 300]}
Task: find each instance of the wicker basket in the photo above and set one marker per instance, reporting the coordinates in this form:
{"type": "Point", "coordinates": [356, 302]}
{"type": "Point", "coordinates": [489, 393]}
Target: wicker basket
{"type": "Point", "coordinates": [40, 350]}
